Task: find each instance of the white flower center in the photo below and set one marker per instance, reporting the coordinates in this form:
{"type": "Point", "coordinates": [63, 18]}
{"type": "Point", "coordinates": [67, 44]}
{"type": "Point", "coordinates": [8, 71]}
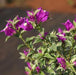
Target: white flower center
{"type": "Point", "coordinates": [44, 10]}
{"type": "Point", "coordinates": [25, 24]}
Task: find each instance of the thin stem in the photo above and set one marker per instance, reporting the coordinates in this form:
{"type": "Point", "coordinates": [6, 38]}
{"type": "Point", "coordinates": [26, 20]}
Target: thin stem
{"type": "Point", "coordinates": [25, 42]}
{"type": "Point", "coordinates": [26, 45]}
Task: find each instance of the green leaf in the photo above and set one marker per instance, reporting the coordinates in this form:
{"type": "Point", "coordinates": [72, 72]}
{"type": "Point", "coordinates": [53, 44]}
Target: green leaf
{"type": "Point", "coordinates": [68, 37]}
{"type": "Point", "coordinates": [69, 43]}
{"type": "Point", "coordinates": [74, 47]}
{"type": "Point", "coordinates": [66, 31]}
{"type": "Point", "coordinates": [31, 45]}
{"type": "Point", "coordinates": [22, 55]}
{"type": "Point", "coordinates": [23, 31]}
{"type": "Point", "coordinates": [33, 24]}
{"type": "Point", "coordinates": [30, 53]}
{"type": "Point", "coordinates": [36, 11]}
{"type": "Point", "coordinates": [74, 23]}
{"type": "Point", "coordinates": [37, 40]}
{"type": "Point", "coordinates": [15, 18]}
{"type": "Point", "coordinates": [47, 55]}
{"type": "Point", "coordinates": [70, 66]}
{"type": "Point", "coordinates": [53, 34]}
{"type": "Point", "coordinates": [30, 13]}
{"type": "Point", "coordinates": [73, 58]}
{"type": "Point", "coordinates": [33, 66]}
{"type": "Point", "coordinates": [51, 61]}
{"type": "Point", "coordinates": [42, 32]}
{"type": "Point", "coordinates": [71, 73]}
{"type": "Point", "coordinates": [59, 43]}
{"type": "Point", "coordinates": [59, 68]}
{"type": "Point", "coordinates": [42, 62]}
{"type": "Point", "coordinates": [60, 34]}
{"type": "Point", "coordinates": [30, 38]}
{"type": "Point", "coordinates": [53, 65]}
{"type": "Point", "coordinates": [36, 62]}
{"type": "Point", "coordinates": [10, 22]}
{"type": "Point", "coordinates": [15, 22]}
{"type": "Point", "coordinates": [51, 71]}
{"type": "Point", "coordinates": [54, 47]}
{"type": "Point", "coordinates": [7, 38]}
{"type": "Point", "coordinates": [28, 70]}
{"type": "Point", "coordinates": [36, 56]}
{"type": "Point", "coordinates": [42, 73]}
{"type": "Point", "coordinates": [20, 46]}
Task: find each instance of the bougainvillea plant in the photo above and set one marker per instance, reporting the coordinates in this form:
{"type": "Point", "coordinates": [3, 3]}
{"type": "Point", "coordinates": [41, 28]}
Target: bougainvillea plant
{"type": "Point", "coordinates": [56, 54]}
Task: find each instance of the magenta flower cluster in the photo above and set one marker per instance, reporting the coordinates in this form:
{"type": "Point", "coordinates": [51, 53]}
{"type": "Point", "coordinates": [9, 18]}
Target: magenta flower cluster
{"type": "Point", "coordinates": [74, 63]}
{"type": "Point", "coordinates": [40, 16]}
{"type": "Point", "coordinates": [68, 25]}
{"type": "Point", "coordinates": [62, 37]}
{"type": "Point", "coordinates": [9, 31]}
{"type": "Point", "coordinates": [24, 23]}
{"type": "Point", "coordinates": [37, 69]}
{"type": "Point", "coordinates": [62, 62]}
{"type": "Point", "coordinates": [30, 67]}
{"type": "Point", "coordinates": [26, 52]}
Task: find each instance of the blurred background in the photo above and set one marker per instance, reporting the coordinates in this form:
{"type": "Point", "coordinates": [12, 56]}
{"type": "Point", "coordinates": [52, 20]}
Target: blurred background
{"type": "Point", "coordinates": [59, 10]}
{"type": "Point", "coordinates": [66, 6]}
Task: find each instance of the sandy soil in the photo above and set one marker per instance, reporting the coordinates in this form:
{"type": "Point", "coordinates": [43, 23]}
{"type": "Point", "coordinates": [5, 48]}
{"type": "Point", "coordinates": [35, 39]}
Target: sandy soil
{"type": "Point", "coordinates": [52, 5]}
